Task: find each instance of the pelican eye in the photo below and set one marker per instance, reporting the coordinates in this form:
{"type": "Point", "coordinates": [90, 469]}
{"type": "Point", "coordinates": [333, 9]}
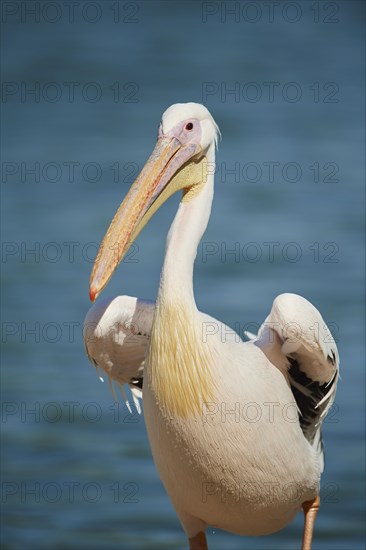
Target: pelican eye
{"type": "Point", "coordinates": [188, 126]}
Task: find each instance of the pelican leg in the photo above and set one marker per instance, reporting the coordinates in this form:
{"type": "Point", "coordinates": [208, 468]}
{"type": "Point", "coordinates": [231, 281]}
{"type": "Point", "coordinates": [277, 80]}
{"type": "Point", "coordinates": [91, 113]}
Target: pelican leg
{"type": "Point", "coordinates": [198, 542]}
{"type": "Point", "coordinates": [310, 508]}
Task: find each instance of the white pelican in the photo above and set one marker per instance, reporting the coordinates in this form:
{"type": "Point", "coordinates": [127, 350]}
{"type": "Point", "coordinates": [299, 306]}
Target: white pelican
{"type": "Point", "coordinates": [234, 427]}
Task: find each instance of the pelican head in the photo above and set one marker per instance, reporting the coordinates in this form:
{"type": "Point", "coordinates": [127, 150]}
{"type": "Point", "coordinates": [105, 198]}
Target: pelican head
{"type": "Point", "coordinates": [186, 139]}
{"type": "Point", "coordinates": [190, 123]}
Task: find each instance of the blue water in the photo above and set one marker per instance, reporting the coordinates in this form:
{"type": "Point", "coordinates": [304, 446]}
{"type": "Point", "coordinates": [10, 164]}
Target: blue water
{"type": "Point", "coordinates": [286, 88]}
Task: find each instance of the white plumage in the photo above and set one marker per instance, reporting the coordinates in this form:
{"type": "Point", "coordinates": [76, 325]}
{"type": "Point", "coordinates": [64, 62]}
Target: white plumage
{"type": "Point", "coordinates": [234, 427]}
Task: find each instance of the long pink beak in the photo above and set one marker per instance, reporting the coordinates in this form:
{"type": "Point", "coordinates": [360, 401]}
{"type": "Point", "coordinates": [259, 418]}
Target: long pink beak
{"type": "Point", "coordinates": [168, 156]}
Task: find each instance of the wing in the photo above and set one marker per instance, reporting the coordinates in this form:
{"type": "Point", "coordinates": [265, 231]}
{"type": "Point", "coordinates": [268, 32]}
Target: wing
{"type": "Point", "coordinates": [296, 339]}
{"type": "Point", "coordinates": [116, 336]}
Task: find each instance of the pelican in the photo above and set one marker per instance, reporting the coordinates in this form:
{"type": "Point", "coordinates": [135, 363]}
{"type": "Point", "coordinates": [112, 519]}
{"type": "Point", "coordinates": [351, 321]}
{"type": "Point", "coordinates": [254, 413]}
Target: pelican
{"type": "Point", "coordinates": [234, 426]}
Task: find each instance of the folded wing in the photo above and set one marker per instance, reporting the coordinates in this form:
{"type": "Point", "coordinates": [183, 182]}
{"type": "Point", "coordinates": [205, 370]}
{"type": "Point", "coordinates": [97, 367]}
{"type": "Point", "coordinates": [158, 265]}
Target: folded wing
{"type": "Point", "coordinates": [116, 337]}
{"type": "Point", "coordinates": [296, 339]}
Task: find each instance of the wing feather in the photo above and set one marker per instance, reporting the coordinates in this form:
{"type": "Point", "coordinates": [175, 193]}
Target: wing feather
{"type": "Point", "coordinates": [296, 339]}
{"type": "Point", "coordinates": [116, 337]}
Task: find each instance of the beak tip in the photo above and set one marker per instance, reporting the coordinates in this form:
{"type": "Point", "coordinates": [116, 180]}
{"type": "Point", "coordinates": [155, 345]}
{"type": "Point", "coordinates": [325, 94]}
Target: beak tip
{"type": "Point", "coordinates": [93, 293]}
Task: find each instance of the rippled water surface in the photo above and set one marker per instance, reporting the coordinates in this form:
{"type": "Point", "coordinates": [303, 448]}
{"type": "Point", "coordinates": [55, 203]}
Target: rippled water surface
{"type": "Point", "coordinates": [286, 88]}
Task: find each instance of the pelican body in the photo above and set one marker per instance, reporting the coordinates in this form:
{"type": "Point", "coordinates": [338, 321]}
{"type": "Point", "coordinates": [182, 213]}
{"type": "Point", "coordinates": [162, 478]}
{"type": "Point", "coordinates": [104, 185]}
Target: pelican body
{"type": "Point", "coordinates": [234, 426]}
